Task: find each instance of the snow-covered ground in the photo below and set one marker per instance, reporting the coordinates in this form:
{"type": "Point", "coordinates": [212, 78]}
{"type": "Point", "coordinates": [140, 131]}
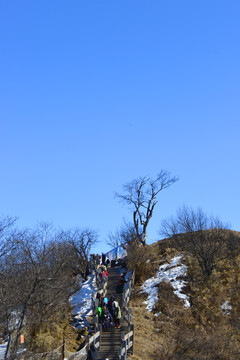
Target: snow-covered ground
{"type": "Point", "coordinates": [2, 350]}
{"type": "Point", "coordinates": [82, 302]}
{"type": "Point", "coordinates": [226, 307]}
{"type": "Point", "coordinates": [169, 273]}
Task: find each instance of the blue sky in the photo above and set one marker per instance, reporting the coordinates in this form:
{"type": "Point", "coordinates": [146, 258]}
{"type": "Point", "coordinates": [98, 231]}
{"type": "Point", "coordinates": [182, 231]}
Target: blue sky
{"type": "Point", "coordinates": [96, 93]}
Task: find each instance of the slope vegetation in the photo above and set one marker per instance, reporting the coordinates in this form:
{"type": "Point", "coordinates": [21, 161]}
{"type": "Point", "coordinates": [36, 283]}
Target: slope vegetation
{"type": "Point", "coordinates": [209, 328]}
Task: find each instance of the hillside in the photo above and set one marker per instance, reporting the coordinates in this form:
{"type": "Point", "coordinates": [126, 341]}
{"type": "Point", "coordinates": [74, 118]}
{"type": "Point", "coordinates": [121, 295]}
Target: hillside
{"type": "Point", "coordinates": [199, 320]}
{"type": "Point", "coordinates": [180, 311]}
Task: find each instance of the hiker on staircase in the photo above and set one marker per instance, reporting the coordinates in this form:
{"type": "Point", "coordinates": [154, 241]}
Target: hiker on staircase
{"type": "Point", "coordinates": [116, 314]}
{"type": "Point", "coordinates": [103, 258]}
{"type": "Point", "coordinates": [100, 299]}
{"type": "Point", "coordinates": [110, 305]}
{"type": "Point", "coordinates": [121, 282]}
{"type": "Point", "coordinates": [106, 318]}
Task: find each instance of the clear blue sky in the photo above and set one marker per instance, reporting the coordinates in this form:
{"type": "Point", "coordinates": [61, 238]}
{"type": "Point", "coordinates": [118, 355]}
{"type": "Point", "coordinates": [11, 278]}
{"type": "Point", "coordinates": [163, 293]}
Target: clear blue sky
{"type": "Point", "coordinates": [96, 93]}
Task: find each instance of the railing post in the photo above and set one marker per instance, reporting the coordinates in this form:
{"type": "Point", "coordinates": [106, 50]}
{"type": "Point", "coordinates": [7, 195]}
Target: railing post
{"type": "Point", "coordinates": [132, 329]}
{"type": "Point", "coordinates": [130, 315]}
{"type": "Point", "coordinates": [63, 349]}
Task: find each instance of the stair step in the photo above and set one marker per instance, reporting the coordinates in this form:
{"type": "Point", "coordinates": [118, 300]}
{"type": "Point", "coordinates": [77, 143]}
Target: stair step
{"type": "Point", "coordinates": [106, 347]}
{"type": "Point", "coordinates": [109, 356]}
{"type": "Point", "coordinates": [110, 335]}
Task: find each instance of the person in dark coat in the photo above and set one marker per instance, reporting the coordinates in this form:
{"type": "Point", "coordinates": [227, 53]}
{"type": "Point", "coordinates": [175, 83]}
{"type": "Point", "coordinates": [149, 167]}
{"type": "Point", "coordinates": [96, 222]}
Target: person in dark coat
{"type": "Point", "coordinates": [121, 282]}
{"type": "Point", "coordinates": [105, 318]}
{"type": "Point", "coordinates": [100, 299]}
{"type": "Point", "coordinates": [110, 305]}
{"type": "Point", "coordinates": [103, 258]}
{"type": "Point", "coordinates": [107, 263]}
{"type": "Point", "coordinates": [92, 353]}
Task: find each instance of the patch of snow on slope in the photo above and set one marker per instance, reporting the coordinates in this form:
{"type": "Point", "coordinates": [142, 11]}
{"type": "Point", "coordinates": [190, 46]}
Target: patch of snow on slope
{"type": "Point", "coordinates": [3, 348]}
{"type": "Point", "coordinates": [227, 307]}
{"type": "Point", "coordinates": [169, 273]}
{"type": "Point", "coordinates": [82, 302]}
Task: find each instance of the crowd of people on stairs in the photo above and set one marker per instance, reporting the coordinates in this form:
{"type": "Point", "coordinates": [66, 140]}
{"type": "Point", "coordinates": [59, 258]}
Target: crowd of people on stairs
{"type": "Point", "coordinates": [109, 312]}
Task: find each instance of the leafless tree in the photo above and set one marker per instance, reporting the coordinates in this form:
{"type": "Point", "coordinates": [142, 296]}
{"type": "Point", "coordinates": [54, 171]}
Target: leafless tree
{"type": "Point", "coordinates": [126, 235]}
{"type": "Point", "coordinates": [36, 278]}
{"type": "Point", "coordinates": [7, 235]}
{"type": "Point", "coordinates": [206, 238]}
{"type": "Point", "coordinates": [81, 242]}
{"type": "Point", "coordinates": [32, 287]}
{"type": "Point", "coordinates": [141, 194]}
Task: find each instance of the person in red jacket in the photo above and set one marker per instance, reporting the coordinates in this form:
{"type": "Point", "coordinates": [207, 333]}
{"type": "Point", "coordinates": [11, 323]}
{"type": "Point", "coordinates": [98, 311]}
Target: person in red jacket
{"type": "Point", "coordinates": [121, 282]}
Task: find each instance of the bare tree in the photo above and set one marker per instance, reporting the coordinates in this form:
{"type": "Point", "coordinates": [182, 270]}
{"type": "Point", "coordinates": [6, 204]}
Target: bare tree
{"type": "Point", "coordinates": [33, 285]}
{"type": "Point", "coordinates": [37, 278]}
{"type": "Point", "coordinates": [126, 235]}
{"type": "Point", "coordinates": [141, 194]}
{"type": "Point", "coordinates": [7, 235]}
{"type": "Point", "coordinates": [206, 238]}
{"type": "Point", "coordinates": [80, 241]}
{"type": "Point", "coordinates": [114, 239]}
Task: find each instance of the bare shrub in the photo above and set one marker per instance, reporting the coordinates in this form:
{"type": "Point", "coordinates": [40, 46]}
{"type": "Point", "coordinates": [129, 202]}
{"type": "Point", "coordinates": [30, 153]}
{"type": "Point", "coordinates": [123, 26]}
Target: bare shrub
{"type": "Point", "coordinates": [206, 238]}
{"type": "Point", "coordinates": [124, 236]}
{"type": "Point", "coordinates": [137, 260]}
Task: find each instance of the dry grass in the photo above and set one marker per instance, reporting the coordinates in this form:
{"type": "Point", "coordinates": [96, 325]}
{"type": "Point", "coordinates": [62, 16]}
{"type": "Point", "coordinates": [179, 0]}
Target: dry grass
{"type": "Point", "coordinates": [146, 338]}
{"type": "Point", "coordinates": [48, 336]}
{"type": "Point", "coordinates": [204, 331]}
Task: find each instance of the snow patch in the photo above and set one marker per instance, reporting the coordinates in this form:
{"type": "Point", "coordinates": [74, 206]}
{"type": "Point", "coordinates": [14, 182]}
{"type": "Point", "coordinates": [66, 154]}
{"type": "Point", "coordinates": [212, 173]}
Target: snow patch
{"type": "Point", "coordinates": [169, 273]}
{"type": "Point", "coordinates": [82, 302]}
{"type": "Point", "coordinates": [3, 348]}
{"type": "Point", "coordinates": [227, 307]}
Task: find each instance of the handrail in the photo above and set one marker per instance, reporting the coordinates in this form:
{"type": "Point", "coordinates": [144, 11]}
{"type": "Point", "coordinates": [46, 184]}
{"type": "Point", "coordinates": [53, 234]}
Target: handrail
{"type": "Point", "coordinates": [127, 339]}
{"type": "Point", "coordinates": [82, 354]}
{"type": "Point", "coordinates": [127, 344]}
